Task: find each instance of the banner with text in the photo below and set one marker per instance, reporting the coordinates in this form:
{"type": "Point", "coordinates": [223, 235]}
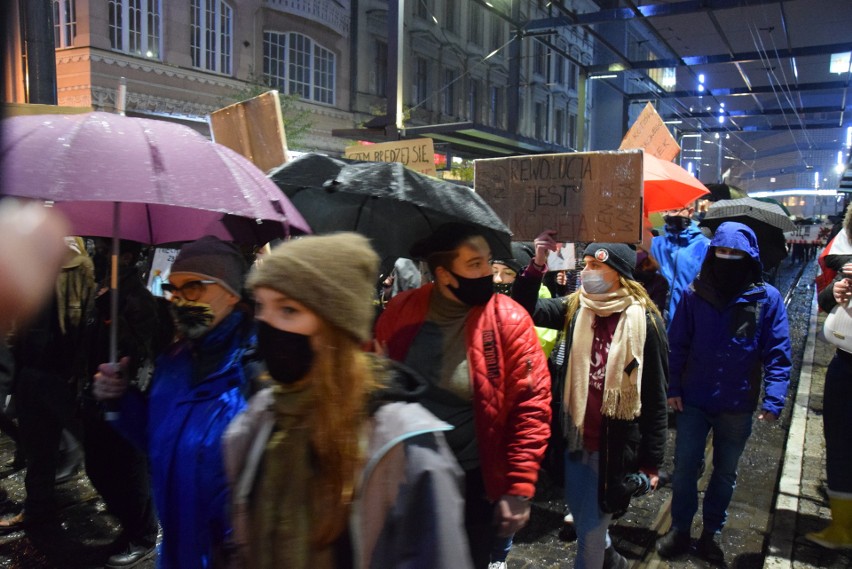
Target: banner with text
{"type": "Point", "coordinates": [417, 154]}
{"type": "Point", "coordinates": [650, 134]}
{"type": "Point", "coordinates": [583, 196]}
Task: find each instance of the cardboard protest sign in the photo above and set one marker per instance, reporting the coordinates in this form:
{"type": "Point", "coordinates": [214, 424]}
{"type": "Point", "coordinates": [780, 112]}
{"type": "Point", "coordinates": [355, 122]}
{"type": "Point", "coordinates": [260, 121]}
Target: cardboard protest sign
{"type": "Point", "coordinates": [583, 196]}
{"type": "Point", "coordinates": [650, 134]}
{"type": "Point", "coordinates": [254, 128]}
{"type": "Point", "coordinates": [417, 154]}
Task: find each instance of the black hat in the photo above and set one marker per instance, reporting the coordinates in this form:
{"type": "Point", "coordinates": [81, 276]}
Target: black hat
{"type": "Point", "coordinates": [522, 254]}
{"type": "Point", "coordinates": [214, 258]}
{"type": "Point", "coordinates": [619, 256]}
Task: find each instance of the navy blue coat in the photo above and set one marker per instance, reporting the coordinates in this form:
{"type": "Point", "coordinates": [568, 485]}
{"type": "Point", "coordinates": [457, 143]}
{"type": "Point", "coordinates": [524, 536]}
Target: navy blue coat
{"type": "Point", "coordinates": [719, 349]}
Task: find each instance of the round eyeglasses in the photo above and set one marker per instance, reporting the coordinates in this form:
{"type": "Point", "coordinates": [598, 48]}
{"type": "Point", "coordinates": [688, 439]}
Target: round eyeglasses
{"type": "Point", "coordinates": [192, 290]}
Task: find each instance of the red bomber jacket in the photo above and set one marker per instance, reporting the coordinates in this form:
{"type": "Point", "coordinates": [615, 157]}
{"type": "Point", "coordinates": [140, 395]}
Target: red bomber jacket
{"type": "Point", "coordinates": [511, 383]}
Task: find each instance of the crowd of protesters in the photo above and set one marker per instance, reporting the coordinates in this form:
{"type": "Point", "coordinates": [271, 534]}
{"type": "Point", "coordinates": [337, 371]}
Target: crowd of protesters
{"type": "Point", "coordinates": [266, 418]}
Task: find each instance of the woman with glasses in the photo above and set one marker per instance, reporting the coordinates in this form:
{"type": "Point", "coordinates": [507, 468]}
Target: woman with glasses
{"type": "Point", "coordinates": [197, 388]}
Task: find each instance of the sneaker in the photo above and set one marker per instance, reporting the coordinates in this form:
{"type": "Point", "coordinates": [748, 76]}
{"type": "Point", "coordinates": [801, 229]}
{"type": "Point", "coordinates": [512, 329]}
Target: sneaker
{"type": "Point", "coordinates": [673, 544]}
{"type": "Point", "coordinates": [497, 565]}
{"type": "Point", "coordinates": [709, 547]}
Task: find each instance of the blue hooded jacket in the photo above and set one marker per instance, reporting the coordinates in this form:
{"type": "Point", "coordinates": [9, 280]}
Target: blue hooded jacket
{"type": "Point", "coordinates": [180, 425]}
{"type": "Point", "coordinates": [680, 256]}
{"type": "Point", "coordinates": [721, 345]}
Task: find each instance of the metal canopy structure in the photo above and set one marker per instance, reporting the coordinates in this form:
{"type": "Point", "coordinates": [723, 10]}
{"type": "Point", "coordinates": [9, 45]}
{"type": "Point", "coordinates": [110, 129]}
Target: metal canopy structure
{"type": "Point", "coordinates": [756, 74]}
{"type": "Point", "coordinates": [766, 64]}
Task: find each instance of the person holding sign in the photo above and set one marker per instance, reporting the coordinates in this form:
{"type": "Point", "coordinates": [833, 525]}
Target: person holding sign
{"type": "Point", "coordinates": [612, 386]}
{"type": "Point", "coordinates": [679, 251]}
{"type": "Point", "coordinates": [486, 375]}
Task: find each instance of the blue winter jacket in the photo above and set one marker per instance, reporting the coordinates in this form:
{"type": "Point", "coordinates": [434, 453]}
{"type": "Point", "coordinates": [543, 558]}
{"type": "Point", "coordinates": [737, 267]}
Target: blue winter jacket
{"type": "Point", "coordinates": [680, 256]}
{"type": "Point", "coordinates": [719, 349]}
{"type": "Point", "coordinates": [180, 426]}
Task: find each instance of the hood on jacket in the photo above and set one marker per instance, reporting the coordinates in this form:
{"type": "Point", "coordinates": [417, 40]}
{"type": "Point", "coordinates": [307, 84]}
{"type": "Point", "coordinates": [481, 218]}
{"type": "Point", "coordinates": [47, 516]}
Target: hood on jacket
{"type": "Point", "coordinates": [400, 384]}
{"type": "Point", "coordinates": [735, 236]}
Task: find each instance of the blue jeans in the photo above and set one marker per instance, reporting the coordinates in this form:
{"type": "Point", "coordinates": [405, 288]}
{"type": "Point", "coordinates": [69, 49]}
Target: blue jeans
{"type": "Point", "coordinates": [500, 548]}
{"type": "Point", "coordinates": [581, 495]}
{"type": "Point", "coordinates": [730, 433]}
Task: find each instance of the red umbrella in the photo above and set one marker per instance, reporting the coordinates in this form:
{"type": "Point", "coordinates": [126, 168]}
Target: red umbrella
{"type": "Point", "coordinates": [145, 180]}
{"type": "Point", "coordinates": [668, 186]}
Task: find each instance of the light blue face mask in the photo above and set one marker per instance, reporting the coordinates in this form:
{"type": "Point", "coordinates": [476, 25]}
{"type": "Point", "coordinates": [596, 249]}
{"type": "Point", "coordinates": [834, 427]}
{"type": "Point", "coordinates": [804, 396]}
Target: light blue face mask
{"type": "Point", "coordinates": [594, 282]}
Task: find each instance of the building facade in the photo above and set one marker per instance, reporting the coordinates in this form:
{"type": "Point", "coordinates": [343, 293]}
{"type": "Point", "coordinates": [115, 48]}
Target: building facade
{"type": "Point", "coordinates": [184, 59]}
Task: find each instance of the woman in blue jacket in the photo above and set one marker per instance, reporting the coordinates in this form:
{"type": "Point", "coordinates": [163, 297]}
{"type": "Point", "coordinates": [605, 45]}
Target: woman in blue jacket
{"type": "Point", "coordinates": [197, 388]}
{"type": "Point", "coordinates": [729, 329]}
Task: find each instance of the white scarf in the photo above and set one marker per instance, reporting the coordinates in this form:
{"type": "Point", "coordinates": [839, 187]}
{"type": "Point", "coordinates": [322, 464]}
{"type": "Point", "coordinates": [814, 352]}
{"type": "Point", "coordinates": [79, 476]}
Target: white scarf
{"type": "Point", "coordinates": [621, 397]}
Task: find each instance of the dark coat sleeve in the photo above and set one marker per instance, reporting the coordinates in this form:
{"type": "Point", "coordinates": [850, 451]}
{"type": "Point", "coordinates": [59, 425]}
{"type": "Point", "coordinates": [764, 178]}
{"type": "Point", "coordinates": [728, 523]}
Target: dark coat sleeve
{"type": "Point", "coordinates": [655, 380]}
{"type": "Point", "coordinates": [545, 312]}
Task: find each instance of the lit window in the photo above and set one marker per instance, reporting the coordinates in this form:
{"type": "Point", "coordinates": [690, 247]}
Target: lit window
{"type": "Point", "coordinates": [212, 35]}
{"type": "Point", "coordinates": [64, 23]}
{"type": "Point", "coordinates": [294, 63]}
{"type": "Point", "coordinates": [840, 62]}
{"type": "Point", "coordinates": [134, 26]}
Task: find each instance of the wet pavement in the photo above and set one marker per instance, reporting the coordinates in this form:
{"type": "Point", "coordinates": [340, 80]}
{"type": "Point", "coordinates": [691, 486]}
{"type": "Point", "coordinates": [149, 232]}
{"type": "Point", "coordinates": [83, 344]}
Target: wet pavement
{"type": "Point", "coordinates": [779, 497]}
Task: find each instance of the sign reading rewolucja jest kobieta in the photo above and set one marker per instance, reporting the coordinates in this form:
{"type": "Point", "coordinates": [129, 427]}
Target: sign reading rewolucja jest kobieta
{"type": "Point", "coordinates": [584, 196]}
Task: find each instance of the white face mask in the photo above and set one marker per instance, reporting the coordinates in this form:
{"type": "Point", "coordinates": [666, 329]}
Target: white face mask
{"type": "Point", "coordinates": [594, 282]}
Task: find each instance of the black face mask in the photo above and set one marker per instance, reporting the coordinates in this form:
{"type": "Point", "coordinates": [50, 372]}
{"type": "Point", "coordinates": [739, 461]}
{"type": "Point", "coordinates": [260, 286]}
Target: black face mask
{"type": "Point", "coordinates": [503, 288]}
{"type": "Point", "coordinates": [288, 355]}
{"type": "Point", "coordinates": [676, 223]}
{"type": "Point", "coordinates": [731, 276]}
{"type": "Point", "coordinates": [473, 292]}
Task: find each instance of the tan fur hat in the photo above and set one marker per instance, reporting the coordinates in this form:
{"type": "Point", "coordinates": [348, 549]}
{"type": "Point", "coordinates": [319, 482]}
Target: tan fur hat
{"type": "Point", "coordinates": [333, 275]}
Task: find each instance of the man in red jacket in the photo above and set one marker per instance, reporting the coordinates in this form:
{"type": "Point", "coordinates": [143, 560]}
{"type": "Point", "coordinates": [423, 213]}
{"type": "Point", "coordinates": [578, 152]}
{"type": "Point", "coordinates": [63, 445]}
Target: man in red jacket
{"type": "Point", "coordinates": [487, 377]}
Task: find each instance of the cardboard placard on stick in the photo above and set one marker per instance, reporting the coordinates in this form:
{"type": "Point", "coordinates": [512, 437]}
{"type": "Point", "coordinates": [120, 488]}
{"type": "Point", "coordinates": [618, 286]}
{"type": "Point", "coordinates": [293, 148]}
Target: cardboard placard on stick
{"type": "Point", "coordinates": [583, 196]}
{"type": "Point", "coordinates": [254, 128]}
{"type": "Point", "coordinates": [417, 154]}
{"type": "Point", "coordinates": [650, 134]}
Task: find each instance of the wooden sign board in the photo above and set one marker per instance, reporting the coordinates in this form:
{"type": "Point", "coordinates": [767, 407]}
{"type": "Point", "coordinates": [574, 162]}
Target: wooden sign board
{"type": "Point", "coordinates": [650, 134]}
{"type": "Point", "coordinates": [417, 154]}
{"type": "Point", "coordinates": [583, 196]}
{"type": "Point", "coordinates": [254, 128]}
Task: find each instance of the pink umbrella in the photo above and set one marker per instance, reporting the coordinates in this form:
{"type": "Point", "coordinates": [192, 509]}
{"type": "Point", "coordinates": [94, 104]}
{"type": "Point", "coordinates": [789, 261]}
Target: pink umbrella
{"type": "Point", "coordinates": [172, 184]}
{"type": "Point", "coordinates": [144, 180]}
{"type": "Point", "coordinates": [668, 186]}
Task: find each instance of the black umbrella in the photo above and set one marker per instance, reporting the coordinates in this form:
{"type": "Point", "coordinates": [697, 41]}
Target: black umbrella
{"type": "Point", "coordinates": [385, 201]}
{"type": "Point", "coordinates": [767, 220]}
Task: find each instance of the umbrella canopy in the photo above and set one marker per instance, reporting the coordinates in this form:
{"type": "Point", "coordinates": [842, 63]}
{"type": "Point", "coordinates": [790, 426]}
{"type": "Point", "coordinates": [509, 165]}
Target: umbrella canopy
{"type": "Point", "coordinates": [766, 219]}
{"type": "Point", "coordinates": [668, 186]}
{"type": "Point", "coordinates": [751, 209]}
{"type": "Point", "coordinates": [172, 184]}
{"type": "Point", "coordinates": [385, 201]}
{"type": "Point", "coordinates": [144, 180]}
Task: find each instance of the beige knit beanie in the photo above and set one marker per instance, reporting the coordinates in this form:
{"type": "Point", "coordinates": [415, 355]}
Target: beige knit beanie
{"type": "Point", "coordinates": [333, 275]}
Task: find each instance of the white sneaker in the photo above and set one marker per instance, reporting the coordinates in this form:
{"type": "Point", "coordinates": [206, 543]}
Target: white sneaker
{"type": "Point", "coordinates": [569, 519]}
{"type": "Point", "coordinates": [497, 565]}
